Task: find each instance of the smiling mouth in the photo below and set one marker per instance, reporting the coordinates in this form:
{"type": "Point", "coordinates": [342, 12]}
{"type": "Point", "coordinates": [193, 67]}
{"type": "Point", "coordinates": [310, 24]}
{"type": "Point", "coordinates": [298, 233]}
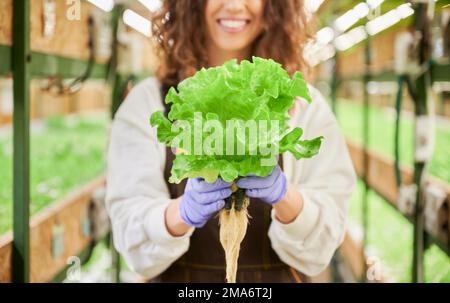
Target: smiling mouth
{"type": "Point", "coordinates": [233, 25]}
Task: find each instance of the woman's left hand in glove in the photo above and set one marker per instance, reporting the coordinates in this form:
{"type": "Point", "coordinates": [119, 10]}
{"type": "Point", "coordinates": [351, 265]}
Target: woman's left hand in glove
{"type": "Point", "coordinates": [270, 189]}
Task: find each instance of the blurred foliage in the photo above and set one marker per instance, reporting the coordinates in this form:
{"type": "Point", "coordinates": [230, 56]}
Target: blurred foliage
{"type": "Point", "coordinates": [390, 238]}
{"type": "Point", "coordinates": [68, 152]}
{"type": "Point", "coordinates": [390, 235]}
{"type": "Point", "coordinates": [65, 153]}
{"type": "Point", "coordinates": [382, 123]}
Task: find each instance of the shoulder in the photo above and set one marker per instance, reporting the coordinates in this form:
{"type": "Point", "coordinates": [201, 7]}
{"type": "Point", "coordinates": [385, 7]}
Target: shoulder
{"type": "Point", "coordinates": [318, 100]}
{"type": "Point", "coordinates": [143, 99]}
{"type": "Point", "coordinates": [148, 87]}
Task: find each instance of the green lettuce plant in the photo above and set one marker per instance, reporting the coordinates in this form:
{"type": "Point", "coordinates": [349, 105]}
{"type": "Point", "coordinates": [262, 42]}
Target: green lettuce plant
{"type": "Point", "coordinates": [260, 91]}
{"type": "Point", "coordinates": [251, 97]}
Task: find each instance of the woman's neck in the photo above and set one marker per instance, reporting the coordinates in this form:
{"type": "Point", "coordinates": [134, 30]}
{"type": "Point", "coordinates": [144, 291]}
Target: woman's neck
{"type": "Point", "coordinates": [217, 56]}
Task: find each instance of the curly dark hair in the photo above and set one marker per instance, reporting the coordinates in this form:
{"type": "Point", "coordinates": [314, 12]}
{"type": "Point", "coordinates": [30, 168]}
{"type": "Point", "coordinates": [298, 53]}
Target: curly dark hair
{"type": "Point", "coordinates": [182, 46]}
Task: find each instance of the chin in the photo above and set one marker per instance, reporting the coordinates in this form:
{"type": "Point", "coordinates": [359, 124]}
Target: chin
{"type": "Point", "coordinates": [232, 45]}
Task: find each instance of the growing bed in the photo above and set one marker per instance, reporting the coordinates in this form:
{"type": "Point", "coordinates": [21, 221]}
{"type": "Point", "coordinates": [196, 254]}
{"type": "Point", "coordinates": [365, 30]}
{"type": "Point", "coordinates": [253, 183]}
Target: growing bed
{"type": "Point", "coordinates": [65, 154]}
{"type": "Point", "coordinates": [69, 152]}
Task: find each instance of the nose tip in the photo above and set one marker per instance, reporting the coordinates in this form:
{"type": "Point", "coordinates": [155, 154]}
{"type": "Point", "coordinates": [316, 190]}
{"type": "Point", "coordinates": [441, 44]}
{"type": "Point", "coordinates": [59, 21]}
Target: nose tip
{"type": "Point", "coordinates": [235, 5]}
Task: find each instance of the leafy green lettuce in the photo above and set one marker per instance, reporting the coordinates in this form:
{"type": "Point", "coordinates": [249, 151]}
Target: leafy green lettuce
{"type": "Point", "coordinates": [259, 92]}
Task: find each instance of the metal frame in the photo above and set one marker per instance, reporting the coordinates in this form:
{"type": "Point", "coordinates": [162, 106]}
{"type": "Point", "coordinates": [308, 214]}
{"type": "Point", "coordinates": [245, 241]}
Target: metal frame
{"type": "Point", "coordinates": [365, 140]}
{"type": "Point", "coordinates": [5, 60]}
{"type": "Point", "coordinates": [115, 78]}
{"type": "Point", "coordinates": [45, 65]}
{"type": "Point", "coordinates": [21, 59]}
{"type": "Point", "coordinates": [422, 85]}
{"type": "Point", "coordinates": [438, 71]}
{"type": "Point", "coordinates": [24, 64]}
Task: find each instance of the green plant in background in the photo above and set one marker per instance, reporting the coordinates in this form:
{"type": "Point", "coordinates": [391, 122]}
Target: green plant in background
{"type": "Point", "coordinates": [390, 239]}
{"type": "Point", "coordinates": [65, 153]}
{"type": "Point", "coordinates": [390, 234]}
{"type": "Point", "coordinates": [382, 136]}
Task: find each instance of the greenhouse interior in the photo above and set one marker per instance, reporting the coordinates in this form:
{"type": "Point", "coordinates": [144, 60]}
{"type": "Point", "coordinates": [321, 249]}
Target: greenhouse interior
{"type": "Point", "coordinates": [382, 66]}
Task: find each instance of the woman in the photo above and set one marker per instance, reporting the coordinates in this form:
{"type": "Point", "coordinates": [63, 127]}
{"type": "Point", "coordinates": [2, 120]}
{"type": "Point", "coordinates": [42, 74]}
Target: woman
{"type": "Point", "coordinates": [169, 233]}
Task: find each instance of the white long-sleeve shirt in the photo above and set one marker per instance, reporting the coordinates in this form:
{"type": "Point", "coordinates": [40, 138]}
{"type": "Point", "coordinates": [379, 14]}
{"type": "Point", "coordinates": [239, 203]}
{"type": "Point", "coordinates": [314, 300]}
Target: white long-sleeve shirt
{"type": "Point", "coordinates": [137, 195]}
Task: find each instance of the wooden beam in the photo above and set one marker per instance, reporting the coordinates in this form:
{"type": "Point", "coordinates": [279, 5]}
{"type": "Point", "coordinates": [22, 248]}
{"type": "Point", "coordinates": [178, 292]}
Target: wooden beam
{"type": "Point", "coordinates": [6, 23]}
{"type": "Point", "coordinates": [6, 258]}
{"type": "Point", "coordinates": [352, 252]}
{"type": "Point", "coordinates": [70, 38]}
{"type": "Point", "coordinates": [67, 215]}
{"type": "Point", "coordinates": [381, 176]}
{"type": "Point", "coordinates": [354, 257]}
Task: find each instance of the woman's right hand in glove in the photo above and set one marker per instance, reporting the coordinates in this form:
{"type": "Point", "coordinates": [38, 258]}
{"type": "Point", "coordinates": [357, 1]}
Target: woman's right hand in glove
{"type": "Point", "coordinates": [201, 200]}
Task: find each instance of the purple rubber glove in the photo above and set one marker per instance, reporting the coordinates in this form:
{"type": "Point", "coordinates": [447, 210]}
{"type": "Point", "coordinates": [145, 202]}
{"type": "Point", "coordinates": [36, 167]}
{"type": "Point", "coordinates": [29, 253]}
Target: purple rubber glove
{"type": "Point", "coordinates": [270, 189]}
{"type": "Point", "coordinates": [201, 200]}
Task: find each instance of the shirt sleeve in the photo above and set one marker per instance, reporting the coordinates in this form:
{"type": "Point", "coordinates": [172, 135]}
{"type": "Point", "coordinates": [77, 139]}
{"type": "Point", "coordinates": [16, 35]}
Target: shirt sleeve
{"type": "Point", "coordinates": [137, 195]}
{"type": "Point", "coordinates": [325, 183]}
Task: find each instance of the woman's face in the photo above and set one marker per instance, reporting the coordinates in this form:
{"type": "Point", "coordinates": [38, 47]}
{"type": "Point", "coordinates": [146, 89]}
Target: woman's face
{"type": "Point", "coordinates": [233, 25]}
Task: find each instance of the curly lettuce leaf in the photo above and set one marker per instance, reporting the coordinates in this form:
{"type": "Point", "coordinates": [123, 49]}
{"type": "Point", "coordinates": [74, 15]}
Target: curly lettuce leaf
{"type": "Point", "coordinates": [260, 91]}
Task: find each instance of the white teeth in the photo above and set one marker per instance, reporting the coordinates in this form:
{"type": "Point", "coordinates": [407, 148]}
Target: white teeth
{"type": "Point", "coordinates": [232, 23]}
